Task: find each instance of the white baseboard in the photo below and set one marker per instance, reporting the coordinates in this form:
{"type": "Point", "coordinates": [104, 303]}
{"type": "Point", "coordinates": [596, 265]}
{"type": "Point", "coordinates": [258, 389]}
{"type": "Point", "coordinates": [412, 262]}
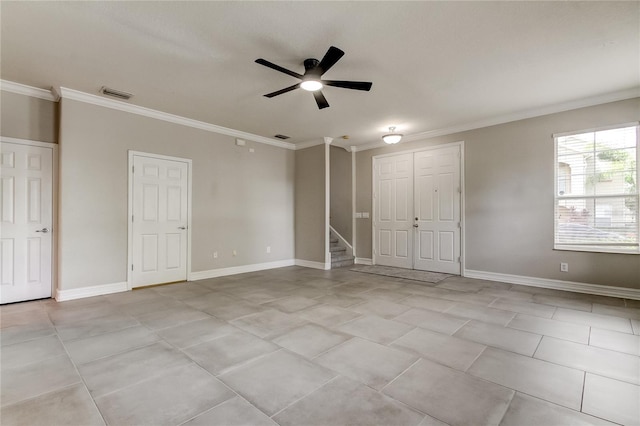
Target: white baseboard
{"type": "Point", "coordinates": [223, 272]}
{"type": "Point", "coordinates": [602, 290]}
{"type": "Point", "coordinates": [315, 265]}
{"type": "Point", "coordinates": [96, 290]}
{"type": "Point", "coordinates": [363, 261]}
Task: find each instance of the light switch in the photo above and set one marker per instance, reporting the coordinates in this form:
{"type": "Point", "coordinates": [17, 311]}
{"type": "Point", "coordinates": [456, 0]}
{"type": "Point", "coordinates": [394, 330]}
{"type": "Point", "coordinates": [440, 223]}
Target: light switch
{"type": "Point", "coordinates": [365, 215]}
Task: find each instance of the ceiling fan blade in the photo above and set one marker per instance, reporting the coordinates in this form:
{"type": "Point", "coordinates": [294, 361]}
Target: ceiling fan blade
{"type": "Point", "coordinates": [355, 85]}
{"type": "Point", "coordinates": [332, 56]}
{"type": "Point", "coordinates": [278, 68]}
{"type": "Point", "coordinates": [280, 92]}
{"type": "Point", "coordinates": [320, 99]}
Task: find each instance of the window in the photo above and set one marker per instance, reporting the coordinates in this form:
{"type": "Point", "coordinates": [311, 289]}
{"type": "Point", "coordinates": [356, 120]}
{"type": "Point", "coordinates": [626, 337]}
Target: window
{"type": "Point", "coordinates": [596, 190]}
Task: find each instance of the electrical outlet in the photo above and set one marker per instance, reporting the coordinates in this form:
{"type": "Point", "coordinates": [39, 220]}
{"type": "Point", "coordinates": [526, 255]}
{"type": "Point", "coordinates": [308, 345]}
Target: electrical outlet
{"type": "Point", "coordinates": [215, 254]}
{"type": "Point", "coordinates": [268, 249]}
{"type": "Point", "coordinates": [235, 253]}
{"type": "Point", "coordinates": [564, 267]}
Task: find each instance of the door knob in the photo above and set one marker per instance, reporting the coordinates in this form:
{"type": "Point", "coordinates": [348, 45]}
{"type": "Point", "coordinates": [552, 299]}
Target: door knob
{"type": "Point", "coordinates": [182, 227]}
{"type": "Point", "coordinates": [44, 230]}
{"type": "Point", "coordinates": [415, 225]}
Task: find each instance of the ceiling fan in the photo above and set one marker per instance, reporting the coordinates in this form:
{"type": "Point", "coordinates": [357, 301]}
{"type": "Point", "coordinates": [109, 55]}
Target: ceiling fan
{"type": "Point", "coordinates": [311, 80]}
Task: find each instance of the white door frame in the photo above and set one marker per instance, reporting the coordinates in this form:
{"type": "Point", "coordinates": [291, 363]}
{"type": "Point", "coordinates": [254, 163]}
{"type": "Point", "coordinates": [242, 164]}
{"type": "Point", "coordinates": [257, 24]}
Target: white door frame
{"type": "Point", "coordinates": [462, 197]}
{"type": "Point", "coordinates": [130, 209]}
{"type": "Point", "coordinates": [54, 202]}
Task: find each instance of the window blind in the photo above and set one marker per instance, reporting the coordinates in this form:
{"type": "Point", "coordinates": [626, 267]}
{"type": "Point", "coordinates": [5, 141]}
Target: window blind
{"type": "Point", "coordinates": [596, 190]}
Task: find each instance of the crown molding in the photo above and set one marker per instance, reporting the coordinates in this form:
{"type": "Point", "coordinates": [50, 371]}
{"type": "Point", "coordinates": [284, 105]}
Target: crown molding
{"type": "Point", "coordinates": [503, 119]}
{"type": "Point", "coordinates": [23, 89]}
{"type": "Point", "coordinates": [66, 93]}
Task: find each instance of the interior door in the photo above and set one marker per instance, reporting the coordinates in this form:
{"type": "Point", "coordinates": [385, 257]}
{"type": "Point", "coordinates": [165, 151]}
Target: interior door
{"type": "Point", "coordinates": [437, 210]}
{"type": "Point", "coordinates": [393, 203]}
{"type": "Point", "coordinates": [160, 220]}
{"type": "Point", "coordinates": [26, 222]}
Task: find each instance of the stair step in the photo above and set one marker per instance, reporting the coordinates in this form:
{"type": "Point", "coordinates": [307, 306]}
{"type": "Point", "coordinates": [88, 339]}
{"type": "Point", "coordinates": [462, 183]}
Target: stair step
{"type": "Point", "coordinates": [337, 249]}
{"type": "Point", "coordinates": [342, 263]}
{"type": "Point", "coordinates": [340, 257]}
{"type": "Point", "coordinates": [333, 240]}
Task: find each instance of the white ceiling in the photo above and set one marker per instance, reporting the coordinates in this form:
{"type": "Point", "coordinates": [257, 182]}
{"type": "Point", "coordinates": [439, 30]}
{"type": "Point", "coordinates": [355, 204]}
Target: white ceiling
{"type": "Point", "coordinates": [433, 65]}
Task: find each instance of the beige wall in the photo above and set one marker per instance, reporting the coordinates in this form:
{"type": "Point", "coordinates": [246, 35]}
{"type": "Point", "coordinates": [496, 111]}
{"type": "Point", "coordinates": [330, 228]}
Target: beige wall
{"type": "Point", "coordinates": [310, 216]}
{"type": "Point", "coordinates": [241, 201]}
{"type": "Point", "coordinates": [509, 198]}
{"type": "Point", "coordinates": [340, 204]}
{"type": "Point", "coordinates": [25, 117]}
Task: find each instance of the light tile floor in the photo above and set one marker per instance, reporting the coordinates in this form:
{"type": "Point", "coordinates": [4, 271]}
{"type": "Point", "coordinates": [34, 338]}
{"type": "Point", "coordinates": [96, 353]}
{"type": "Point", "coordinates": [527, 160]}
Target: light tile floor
{"type": "Point", "coordinates": [297, 346]}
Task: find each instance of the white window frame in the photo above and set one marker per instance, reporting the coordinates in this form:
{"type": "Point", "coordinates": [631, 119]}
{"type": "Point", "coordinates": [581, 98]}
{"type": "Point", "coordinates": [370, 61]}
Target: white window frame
{"type": "Point", "coordinates": [594, 248]}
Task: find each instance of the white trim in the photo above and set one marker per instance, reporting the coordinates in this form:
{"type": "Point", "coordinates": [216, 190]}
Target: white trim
{"type": "Point", "coordinates": [601, 290]}
{"type": "Point", "coordinates": [223, 272]}
{"type": "Point", "coordinates": [29, 142]}
{"type": "Point", "coordinates": [23, 89]}
{"type": "Point", "coordinates": [344, 242]}
{"type": "Point", "coordinates": [131, 155]}
{"type": "Point", "coordinates": [327, 199]}
{"type": "Point", "coordinates": [363, 261]}
{"type": "Point", "coordinates": [353, 200]}
{"type": "Point", "coordinates": [54, 200]}
{"type": "Point", "coordinates": [522, 115]}
{"type": "Point", "coordinates": [311, 264]}
{"type": "Point", "coordinates": [76, 95]}
{"type": "Point", "coordinates": [95, 290]}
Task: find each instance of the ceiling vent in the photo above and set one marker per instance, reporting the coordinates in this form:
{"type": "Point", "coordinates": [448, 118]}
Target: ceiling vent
{"type": "Point", "coordinates": [115, 93]}
{"type": "Point", "coordinates": [283, 137]}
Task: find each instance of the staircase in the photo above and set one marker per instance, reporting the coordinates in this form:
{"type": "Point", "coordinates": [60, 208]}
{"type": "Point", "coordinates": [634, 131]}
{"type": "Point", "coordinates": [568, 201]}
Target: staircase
{"type": "Point", "coordinates": [339, 255]}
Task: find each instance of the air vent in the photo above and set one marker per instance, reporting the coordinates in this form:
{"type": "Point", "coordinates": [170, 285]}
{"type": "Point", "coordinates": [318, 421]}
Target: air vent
{"type": "Point", "coordinates": [115, 93]}
{"type": "Point", "coordinates": [283, 137]}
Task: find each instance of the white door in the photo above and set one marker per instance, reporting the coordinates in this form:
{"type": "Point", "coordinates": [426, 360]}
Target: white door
{"type": "Point", "coordinates": [160, 220]}
{"type": "Point", "coordinates": [437, 210]}
{"type": "Point", "coordinates": [26, 222]}
{"type": "Point", "coordinates": [393, 203]}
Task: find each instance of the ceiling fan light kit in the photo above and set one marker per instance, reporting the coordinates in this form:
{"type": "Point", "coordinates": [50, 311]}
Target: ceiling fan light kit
{"type": "Point", "coordinates": [392, 137]}
{"type": "Point", "coordinates": [311, 79]}
{"type": "Point", "coordinates": [311, 85]}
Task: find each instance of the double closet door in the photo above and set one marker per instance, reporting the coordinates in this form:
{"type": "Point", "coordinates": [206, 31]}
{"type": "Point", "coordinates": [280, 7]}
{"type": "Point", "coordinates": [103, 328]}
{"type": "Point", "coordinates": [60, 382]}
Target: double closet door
{"type": "Point", "coordinates": [417, 203]}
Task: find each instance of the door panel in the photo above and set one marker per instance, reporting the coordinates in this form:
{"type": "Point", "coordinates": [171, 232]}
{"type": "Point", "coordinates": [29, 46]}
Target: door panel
{"type": "Point", "coordinates": [160, 216]}
{"type": "Point", "coordinates": [437, 201]}
{"type": "Point", "coordinates": [393, 181]}
{"type": "Point", "coordinates": [26, 219]}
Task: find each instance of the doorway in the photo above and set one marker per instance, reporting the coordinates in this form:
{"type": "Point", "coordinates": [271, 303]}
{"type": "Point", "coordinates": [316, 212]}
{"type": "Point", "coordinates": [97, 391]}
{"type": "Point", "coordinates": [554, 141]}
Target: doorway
{"type": "Point", "coordinates": [159, 219]}
{"type": "Point", "coordinates": [417, 200]}
{"type": "Point", "coordinates": [26, 216]}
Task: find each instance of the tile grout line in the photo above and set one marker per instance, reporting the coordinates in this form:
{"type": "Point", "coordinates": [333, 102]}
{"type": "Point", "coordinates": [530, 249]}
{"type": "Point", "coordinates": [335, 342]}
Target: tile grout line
{"type": "Point", "coordinates": [401, 373]}
{"type": "Point", "coordinates": [337, 376]}
{"type": "Point", "coordinates": [82, 380]}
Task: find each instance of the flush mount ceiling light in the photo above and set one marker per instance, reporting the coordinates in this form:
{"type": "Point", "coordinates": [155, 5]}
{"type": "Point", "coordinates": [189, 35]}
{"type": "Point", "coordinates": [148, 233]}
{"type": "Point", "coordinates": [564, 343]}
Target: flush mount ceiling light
{"type": "Point", "coordinates": [392, 138]}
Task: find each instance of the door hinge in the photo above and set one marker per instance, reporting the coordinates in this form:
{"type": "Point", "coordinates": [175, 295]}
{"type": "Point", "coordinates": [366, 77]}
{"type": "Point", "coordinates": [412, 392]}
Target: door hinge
{"type": "Point", "coordinates": [132, 267]}
{"type": "Point", "coordinates": [458, 153]}
{"type": "Point", "coordinates": [133, 169]}
{"type": "Point", "coordinates": [131, 218]}
{"type": "Point", "coordinates": [458, 224]}
{"type": "Point", "coordinates": [458, 259]}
